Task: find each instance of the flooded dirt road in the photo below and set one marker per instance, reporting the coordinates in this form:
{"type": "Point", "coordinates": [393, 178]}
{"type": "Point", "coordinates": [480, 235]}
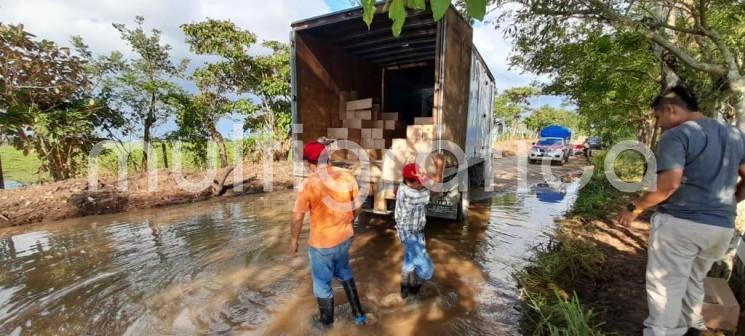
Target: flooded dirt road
{"type": "Point", "coordinates": [221, 267]}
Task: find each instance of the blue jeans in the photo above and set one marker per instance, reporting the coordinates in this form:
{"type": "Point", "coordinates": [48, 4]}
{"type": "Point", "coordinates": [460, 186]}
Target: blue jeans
{"type": "Point", "coordinates": [416, 258]}
{"type": "Point", "coordinates": [329, 263]}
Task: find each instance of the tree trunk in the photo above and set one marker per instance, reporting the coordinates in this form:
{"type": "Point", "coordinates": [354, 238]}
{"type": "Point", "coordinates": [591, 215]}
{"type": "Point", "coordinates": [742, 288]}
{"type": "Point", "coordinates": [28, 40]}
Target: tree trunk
{"type": "Point", "coordinates": [149, 121]}
{"type": "Point", "coordinates": [2, 181]}
{"type": "Point", "coordinates": [218, 139]}
{"type": "Point", "coordinates": [738, 87]}
{"type": "Point", "coordinates": [165, 154]}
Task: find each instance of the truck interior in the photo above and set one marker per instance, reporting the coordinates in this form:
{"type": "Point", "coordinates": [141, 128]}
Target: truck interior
{"type": "Point", "coordinates": [338, 56]}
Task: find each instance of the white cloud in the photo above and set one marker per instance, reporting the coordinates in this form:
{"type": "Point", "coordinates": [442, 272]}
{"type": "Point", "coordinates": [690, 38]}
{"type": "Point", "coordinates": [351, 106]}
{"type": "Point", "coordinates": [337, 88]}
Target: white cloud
{"type": "Point", "coordinates": [58, 20]}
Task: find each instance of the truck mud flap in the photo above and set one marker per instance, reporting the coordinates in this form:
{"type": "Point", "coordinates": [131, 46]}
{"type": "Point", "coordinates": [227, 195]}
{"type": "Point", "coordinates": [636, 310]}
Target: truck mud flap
{"type": "Point", "coordinates": [446, 205]}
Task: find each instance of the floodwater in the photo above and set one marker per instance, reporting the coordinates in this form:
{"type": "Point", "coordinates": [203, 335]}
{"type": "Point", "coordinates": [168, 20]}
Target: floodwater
{"type": "Point", "coordinates": [9, 184]}
{"type": "Point", "coordinates": [222, 267]}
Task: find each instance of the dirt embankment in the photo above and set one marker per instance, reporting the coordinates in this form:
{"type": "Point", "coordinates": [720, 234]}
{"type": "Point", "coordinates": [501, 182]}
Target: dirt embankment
{"type": "Point", "coordinates": [617, 292]}
{"type": "Point", "coordinates": [77, 198]}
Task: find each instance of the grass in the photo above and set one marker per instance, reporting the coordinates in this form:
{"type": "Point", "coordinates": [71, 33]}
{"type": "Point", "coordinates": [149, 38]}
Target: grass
{"type": "Point", "coordinates": [19, 167]}
{"type": "Point", "coordinates": [555, 268]}
{"type": "Point", "coordinates": [566, 262]}
{"type": "Point", "coordinates": [599, 195]}
{"type": "Point", "coordinates": [563, 316]}
{"type": "Point", "coordinates": [26, 168]}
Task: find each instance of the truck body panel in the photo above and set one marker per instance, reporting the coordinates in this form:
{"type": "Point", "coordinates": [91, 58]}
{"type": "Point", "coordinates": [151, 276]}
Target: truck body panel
{"type": "Point", "coordinates": [431, 70]}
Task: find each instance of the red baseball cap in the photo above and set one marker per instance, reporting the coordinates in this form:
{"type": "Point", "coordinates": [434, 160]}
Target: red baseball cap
{"type": "Point", "coordinates": [312, 151]}
{"type": "Point", "coordinates": [411, 171]}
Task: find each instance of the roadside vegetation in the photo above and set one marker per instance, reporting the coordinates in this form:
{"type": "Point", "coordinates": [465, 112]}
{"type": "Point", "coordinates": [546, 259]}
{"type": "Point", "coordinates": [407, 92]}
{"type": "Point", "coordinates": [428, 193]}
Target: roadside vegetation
{"type": "Point", "coordinates": [559, 278]}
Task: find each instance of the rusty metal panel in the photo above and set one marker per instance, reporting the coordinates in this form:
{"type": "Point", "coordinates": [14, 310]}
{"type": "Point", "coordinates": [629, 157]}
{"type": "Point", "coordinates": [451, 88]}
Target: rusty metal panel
{"type": "Point", "coordinates": [456, 67]}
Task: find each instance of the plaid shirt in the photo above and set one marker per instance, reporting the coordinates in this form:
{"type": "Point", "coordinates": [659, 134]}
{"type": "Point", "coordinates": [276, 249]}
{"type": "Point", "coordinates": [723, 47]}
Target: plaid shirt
{"type": "Point", "coordinates": [411, 210]}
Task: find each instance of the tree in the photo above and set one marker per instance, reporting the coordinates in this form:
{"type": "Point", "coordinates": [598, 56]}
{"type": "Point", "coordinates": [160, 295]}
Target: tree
{"type": "Point", "coordinates": [512, 102]}
{"type": "Point", "coordinates": [397, 10]}
{"type": "Point", "coordinates": [610, 77]}
{"type": "Point", "coordinates": [273, 89]}
{"type": "Point", "coordinates": [47, 100]}
{"type": "Point", "coordinates": [144, 85]}
{"type": "Point", "coordinates": [694, 36]}
{"type": "Point", "coordinates": [547, 115]}
{"type": "Point", "coordinates": [265, 77]}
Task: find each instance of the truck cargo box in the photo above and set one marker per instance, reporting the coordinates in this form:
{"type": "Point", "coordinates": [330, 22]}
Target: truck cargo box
{"type": "Point", "coordinates": [430, 83]}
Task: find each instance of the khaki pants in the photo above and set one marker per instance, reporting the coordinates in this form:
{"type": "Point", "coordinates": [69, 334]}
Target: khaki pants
{"type": "Point", "coordinates": [681, 253]}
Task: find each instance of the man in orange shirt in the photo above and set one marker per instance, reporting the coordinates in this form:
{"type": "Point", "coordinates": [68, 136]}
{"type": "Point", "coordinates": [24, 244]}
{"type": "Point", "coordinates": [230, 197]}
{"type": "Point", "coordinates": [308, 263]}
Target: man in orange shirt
{"type": "Point", "coordinates": [329, 195]}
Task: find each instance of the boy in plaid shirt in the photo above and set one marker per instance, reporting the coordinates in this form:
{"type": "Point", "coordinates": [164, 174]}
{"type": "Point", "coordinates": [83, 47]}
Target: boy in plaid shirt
{"type": "Point", "coordinates": [411, 210]}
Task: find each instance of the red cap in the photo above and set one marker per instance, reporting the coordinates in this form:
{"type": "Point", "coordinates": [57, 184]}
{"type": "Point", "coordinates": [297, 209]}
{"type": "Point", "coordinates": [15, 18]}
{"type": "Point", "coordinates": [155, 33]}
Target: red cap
{"type": "Point", "coordinates": [412, 172]}
{"type": "Point", "coordinates": [312, 151]}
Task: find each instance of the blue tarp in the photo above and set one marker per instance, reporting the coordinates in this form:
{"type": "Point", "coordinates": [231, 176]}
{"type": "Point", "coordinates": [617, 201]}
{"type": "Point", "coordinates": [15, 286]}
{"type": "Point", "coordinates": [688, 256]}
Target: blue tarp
{"type": "Point", "coordinates": [556, 131]}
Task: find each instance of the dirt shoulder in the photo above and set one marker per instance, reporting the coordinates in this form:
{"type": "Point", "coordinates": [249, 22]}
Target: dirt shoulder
{"type": "Point", "coordinates": [77, 198]}
{"type": "Point", "coordinates": [617, 291]}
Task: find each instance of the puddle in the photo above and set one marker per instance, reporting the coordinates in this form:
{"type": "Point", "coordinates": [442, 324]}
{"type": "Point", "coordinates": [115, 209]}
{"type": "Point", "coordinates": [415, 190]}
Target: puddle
{"type": "Point", "coordinates": [222, 267]}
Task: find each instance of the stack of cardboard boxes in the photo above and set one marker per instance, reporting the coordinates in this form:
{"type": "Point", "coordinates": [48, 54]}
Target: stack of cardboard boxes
{"type": "Point", "coordinates": [364, 124]}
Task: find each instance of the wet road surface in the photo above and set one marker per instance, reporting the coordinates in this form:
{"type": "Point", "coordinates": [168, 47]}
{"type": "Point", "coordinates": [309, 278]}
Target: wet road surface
{"type": "Point", "coordinates": [221, 267]}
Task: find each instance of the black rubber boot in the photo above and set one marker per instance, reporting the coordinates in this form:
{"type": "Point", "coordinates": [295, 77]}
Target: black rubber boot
{"type": "Point", "coordinates": [354, 300]}
{"type": "Point", "coordinates": [404, 290]}
{"type": "Point", "coordinates": [326, 309]}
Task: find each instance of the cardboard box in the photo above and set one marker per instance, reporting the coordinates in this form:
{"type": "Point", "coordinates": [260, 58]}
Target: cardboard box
{"type": "Point", "coordinates": [363, 115]}
{"type": "Point", "coordinates": [390, 116]}
{"type": "Point", "coordinates": [379, 124]}
{"type": "Point", "coordinates": [424, 121]}
{"type": "Point", "coordinates": [367, 133]}
{"type": "Point", "coordinates": [376, 133]}
{"type": "Point", "coordinates": [344, 133]}
{"type": "Point", "coordinates": [381, 143]}
{"type": "Point", "coordinates": [416, 133]}
{"type": "Point", "coordinates": [393, 124]}
{"type": "Point", "coordinates": [361, 104]}
{"type": "Point", "coordinates": [367, 143]}
{"type": "Point", "coordinates": [357, 123]}
{"type": "Point", "coordinates": [395, 158]}
{"type": "Point", "coordinates": [349, 115]}
{"type": "Point", "coordinates": [720, 310]}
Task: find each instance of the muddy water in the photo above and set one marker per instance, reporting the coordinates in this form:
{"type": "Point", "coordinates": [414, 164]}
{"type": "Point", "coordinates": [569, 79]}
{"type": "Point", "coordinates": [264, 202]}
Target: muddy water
{"type": "Point", "coordinates": [222, 268]}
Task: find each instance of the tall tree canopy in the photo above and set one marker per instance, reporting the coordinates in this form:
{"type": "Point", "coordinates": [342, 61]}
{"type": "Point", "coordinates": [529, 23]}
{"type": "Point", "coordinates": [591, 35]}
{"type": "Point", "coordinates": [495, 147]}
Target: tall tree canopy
{"type": "Point", "coordinates": [145, 85]}
{"type": "Point", "coordinates": [48, 101]}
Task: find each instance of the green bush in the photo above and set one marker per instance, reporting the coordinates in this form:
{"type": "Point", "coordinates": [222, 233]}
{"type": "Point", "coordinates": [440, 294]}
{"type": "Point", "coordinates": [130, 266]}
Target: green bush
{"type": "Point", "coordinates": [562, 316]}
{"type": "Point", "coordinates": [598, 197]}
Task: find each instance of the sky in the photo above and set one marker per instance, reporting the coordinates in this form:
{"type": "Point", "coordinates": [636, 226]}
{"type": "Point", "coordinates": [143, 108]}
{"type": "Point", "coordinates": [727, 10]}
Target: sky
{"type": "Point", "coordinates": [58, 20]}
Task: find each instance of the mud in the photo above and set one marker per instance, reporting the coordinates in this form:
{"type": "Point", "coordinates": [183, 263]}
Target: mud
{"type": "Point", "coordinates": [221, 266]}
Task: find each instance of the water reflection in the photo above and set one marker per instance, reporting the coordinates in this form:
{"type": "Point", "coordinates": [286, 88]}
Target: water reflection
{"type": "Point", "coordinates": [219, 267]}
{"type": "Point", "coordinates": [550, 193]}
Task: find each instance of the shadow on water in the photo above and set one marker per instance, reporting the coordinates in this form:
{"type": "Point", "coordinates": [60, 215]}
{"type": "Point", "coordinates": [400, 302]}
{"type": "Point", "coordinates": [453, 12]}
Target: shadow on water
{"type": "Point", "coordinates": [218, 267]}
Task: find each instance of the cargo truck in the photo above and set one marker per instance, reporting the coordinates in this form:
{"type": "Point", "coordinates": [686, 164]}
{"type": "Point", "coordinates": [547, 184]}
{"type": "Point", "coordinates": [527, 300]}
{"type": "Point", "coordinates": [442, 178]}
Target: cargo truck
{"type": "Point", "coordinates": [396, 97]}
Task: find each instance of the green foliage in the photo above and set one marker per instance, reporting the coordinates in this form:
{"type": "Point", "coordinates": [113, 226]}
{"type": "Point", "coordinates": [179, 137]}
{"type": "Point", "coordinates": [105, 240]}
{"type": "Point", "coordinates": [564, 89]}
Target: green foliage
{"type": "Point", "coordinates": [552, 271]}
{"type": "Point", "coordinates": [512, 102]}
{"type": "Point", "coordinates": [611, 59]}
{"type": "Point", "coordinates": [144, 85]}
{"type": "Point", "coordinates": [547, 115]}
{"type": "Point", "coordinates": [20, 167]}
{"type": "Point", "coordinates": [562, 317]}
{"type": "Point", "coordinates": [47, 100]}
{"type": "Point", "coordinates": [235, 73]}
{"type": "Point", "coordinates": [599, 195]}
{"type": "Point", "coordinates": [397, 10]}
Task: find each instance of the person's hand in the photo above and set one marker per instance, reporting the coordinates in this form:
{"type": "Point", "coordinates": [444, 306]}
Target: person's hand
{"type": "Point", "coordinates": [294, 244]}
{"type": "Point", "coordinates": [625, 217]}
